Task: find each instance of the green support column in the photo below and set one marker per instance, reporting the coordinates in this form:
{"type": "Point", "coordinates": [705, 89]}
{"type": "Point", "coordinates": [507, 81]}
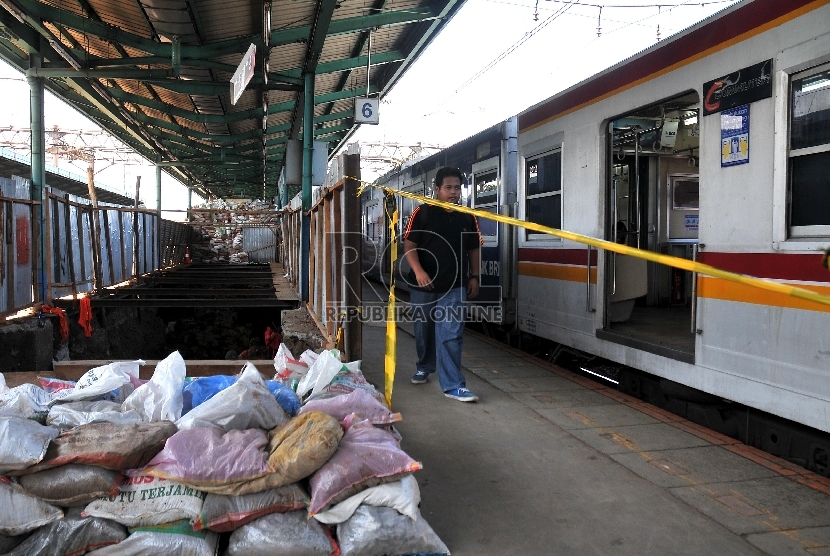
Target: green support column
{"type": "Point", "coordinates": [38, 178]}
{"type": "Point", "coordinates": [308, 151]}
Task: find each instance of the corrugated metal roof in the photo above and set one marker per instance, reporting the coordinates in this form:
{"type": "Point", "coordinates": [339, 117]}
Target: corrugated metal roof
{"type": "Point", "coordinates": [156, 73]}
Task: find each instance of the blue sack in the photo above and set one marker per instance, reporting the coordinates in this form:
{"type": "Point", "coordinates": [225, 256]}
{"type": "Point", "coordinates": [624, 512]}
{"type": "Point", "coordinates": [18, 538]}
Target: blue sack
{"type": "Point", "coordinates": [286, 397]}
{"type": "Point", "coordinates": [204, 388]}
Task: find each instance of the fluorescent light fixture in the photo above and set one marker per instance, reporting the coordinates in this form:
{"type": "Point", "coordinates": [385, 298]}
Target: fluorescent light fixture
{"type": "Point", "coordinates": [692, 120]}
{"type": "Point", "coordinates": [817, 84]}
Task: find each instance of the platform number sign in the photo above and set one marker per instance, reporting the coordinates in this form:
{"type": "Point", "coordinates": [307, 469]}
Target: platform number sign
{"type": "Point", "coordinates": [366, 111]}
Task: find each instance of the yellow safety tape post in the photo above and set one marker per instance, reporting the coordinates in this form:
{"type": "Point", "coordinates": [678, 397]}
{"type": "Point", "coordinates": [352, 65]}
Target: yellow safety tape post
{"type": "Point", "coordinates": [667, 260]}
{"type": "Point", "coordinates": [391, 325]}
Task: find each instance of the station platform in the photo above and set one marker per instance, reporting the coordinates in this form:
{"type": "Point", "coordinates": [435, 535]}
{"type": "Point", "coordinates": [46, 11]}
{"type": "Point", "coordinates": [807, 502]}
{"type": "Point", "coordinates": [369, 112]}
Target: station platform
{"type": "Point", "coordinates": [549, 462]}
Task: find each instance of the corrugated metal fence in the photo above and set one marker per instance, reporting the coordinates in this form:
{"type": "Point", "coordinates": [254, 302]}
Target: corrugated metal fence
{"type": "Point", "coordinates": [130, 244]}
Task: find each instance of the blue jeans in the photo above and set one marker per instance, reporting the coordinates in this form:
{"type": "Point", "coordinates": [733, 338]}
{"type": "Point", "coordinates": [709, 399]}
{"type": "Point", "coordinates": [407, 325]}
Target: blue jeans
{"type": "Point", "coordinates": [439, 329]}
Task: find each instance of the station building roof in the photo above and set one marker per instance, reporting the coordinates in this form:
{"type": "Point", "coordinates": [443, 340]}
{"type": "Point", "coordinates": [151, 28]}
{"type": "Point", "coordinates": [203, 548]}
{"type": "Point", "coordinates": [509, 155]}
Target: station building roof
{"type": "Point", "coordinates": [156, 73]}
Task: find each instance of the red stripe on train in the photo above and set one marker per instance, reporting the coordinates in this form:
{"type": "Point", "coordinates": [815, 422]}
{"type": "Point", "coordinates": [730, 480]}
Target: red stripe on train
{"type": "Point", "coordinates": [779, 266]}
{"type": "Point", "coordinates": [558, 256]}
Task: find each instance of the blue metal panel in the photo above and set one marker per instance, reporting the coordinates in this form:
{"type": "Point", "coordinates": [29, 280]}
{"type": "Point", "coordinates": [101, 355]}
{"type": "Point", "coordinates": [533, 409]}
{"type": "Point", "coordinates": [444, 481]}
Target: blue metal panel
{"type": "Point", "coordinates": [23, 248]}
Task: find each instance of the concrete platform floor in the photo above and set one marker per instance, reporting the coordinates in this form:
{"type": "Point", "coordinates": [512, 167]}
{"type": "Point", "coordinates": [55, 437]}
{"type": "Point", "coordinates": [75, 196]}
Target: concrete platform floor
{"type": "Point", "coordinates": [551, 463]}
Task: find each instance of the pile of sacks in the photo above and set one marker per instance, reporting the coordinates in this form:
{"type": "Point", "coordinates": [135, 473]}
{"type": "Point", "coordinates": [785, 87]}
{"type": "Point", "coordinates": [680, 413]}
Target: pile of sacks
{"type": "Point", "coordinates": [237, 465]}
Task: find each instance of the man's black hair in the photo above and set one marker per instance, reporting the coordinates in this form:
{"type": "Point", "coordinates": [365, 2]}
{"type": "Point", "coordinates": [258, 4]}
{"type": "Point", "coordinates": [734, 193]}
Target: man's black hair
{"type": "Point", "coordinates": [447, 172]}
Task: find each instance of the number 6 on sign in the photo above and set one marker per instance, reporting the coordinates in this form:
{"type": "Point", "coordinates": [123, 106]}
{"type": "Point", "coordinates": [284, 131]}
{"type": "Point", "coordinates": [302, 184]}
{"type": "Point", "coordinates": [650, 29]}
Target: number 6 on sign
{"type": "Point", "coordinates": [366, 111]}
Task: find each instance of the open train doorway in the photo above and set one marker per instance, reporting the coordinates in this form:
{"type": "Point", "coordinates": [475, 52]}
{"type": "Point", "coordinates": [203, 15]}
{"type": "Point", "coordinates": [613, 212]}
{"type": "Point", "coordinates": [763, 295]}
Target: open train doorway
{"type": "Point", "coordinates": [653, 203]}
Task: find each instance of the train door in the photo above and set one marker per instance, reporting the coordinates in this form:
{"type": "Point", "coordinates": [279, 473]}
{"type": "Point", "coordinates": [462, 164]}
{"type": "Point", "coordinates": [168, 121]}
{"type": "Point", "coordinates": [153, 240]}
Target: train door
{"type": "Point", "coordinates": [372, 249]}
{"type": "Point", "coordinates": [653, 205]}
{"type": "Point", "coordinates": [485, 187]}
{"type": "Point", "coordinates": [407, 207]}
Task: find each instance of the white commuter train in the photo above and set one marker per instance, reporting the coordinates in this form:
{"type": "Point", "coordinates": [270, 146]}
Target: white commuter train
{"type": "Point", "coordinates": [714, 144]}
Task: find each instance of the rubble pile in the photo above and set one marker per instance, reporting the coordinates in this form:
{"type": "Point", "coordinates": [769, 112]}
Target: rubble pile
{"type": "Point", "coordinates": [308, 462]}
{"type": "Point", "coordinates": [220, 229]}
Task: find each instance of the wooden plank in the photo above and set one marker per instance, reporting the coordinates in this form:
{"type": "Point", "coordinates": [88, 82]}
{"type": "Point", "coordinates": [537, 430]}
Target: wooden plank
{"type": "Point", "coordinates": [79, 214]}
{"type": "Point", "coordinates": [320, 327]}
{"type": "Point", "coordinates": [328, 262]}
{"type": "Point", "coordinates": [353, 332]}
{"type": "Point", "coordinates": [122, 248]}
{"type": "Point", "coordinates": [73, 370]}
{"type": "Point", "coordinates": [47, 242]}
{"type": "Point", "coordinates": [108, 236]}
{"type": "Point", "coordinates": [337, 258]}
{"type": "Point", "coordinates": [70, 255]}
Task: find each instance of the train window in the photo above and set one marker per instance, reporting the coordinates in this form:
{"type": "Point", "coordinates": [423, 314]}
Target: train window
{"type": "Point", "coordinates": [685, 194]}
{"type": "Point", "coordinates": [487, 227]}
{"type": "Point", "coordinates": [809, 153]}
{"type": "Point", "coordinates": [486, 187]}
{"type": "Point", "coordinates": [482, 150]}
{"type": "Point", "coordinates": [543, 190]}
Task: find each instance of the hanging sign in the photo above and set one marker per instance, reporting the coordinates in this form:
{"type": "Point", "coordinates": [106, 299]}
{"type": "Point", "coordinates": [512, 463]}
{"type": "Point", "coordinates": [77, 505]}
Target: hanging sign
{"type": "Point", "coordinates": [734, 136]}
{"type": "Point", "coordinates": [740, 87]}
{"type": "Point", "coordinates": [243, 74]}
{"type": "Point", "coordinates": [366, 111]}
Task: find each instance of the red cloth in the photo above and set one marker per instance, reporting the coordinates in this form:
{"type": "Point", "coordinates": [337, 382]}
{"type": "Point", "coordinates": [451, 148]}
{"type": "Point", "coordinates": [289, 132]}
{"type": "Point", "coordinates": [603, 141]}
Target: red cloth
{"type": "Point", "coordinates": [85, 319]}
{"type": "Point", "coordinates": [64, 324]}
{"type": "Point", "coordinates": [272, 338]}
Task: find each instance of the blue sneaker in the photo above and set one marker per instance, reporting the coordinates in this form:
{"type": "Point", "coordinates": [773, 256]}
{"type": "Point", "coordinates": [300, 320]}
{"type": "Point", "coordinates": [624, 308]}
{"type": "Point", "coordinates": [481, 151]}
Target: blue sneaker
{"type": "Point", "coordinates": [462, 395]}
{"type": "Point", "coordinates": [420, 377]}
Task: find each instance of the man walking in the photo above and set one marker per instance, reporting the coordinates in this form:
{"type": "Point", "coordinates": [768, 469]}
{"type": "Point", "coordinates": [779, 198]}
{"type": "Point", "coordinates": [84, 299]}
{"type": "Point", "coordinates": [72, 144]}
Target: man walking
{"type": "Point", "coordinates": [438, 245]}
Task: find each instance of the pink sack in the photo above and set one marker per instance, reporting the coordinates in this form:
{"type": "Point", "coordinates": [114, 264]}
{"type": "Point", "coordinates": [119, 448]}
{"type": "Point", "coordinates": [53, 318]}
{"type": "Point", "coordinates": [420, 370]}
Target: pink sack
{"type": "Point", "coordinates": [210, 456]}
{"type": "Point", "coordinates": [365, 454]}
{"type": "Point", "coordinates": [360, 402]}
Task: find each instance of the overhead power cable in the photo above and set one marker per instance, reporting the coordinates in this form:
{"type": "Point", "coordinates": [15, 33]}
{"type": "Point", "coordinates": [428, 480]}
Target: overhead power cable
{"type": "Point", "coordinates": [527, 36]}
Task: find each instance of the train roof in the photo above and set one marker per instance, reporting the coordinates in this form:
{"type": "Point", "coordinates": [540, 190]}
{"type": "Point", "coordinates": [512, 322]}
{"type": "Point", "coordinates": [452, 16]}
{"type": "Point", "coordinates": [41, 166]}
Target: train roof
{"type": "Point", "coordinates": [475, 139]}
{"type": "Point", "coordinates": [717, 32]}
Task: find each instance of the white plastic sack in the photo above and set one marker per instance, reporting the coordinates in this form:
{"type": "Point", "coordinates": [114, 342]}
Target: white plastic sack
{"type": "Point", "coordinates": [285, 534]}
{"type": "Point", "coordinates": [320, 373]}
{"type": "Point", "coordinates": [404, 496]}
{"type": "Point", "coordinates": [286, 366]}
{"type": "Point", "coordinates": [377, 531]}
{"type": "Point", "coordinates": [23, 443]}
{"type": "Point", "coordinates": [24, 401]}
{"type": "Point", "coordinates": [175, 539]}
{"type": "Point", "coordinates": [160, 399]}
{"type": "Point", "coordinates": [146, 500]}
{"type": "Point", "coordinates": [308, 357]}
{"type": "Point", "coordinates": [101, 380]}
{"type": "Point", "coordinates": [72, 535]}
{"type": "Point", "coordinates": [73, 414]}
{"type": "Point", "coordinates": [247, 404]}
{"type": "Point", "coordinates": [23, 512]}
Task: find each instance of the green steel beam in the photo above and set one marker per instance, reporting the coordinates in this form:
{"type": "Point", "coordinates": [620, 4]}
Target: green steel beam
{"type": "Point", "coordinates": [238, 45]}
{"type": "Point", "coordinates": [22, 36]}
{"type": "Point", "coordinates": [354, 24]}
{"type": "Point", "coordinates": [208, 88]}
{"type": "Point", "coordinates": [350, 63]}
{"type": "Point", "coordinates": [330, 130]}
{"type": "Point", "coordinates": [11, 53]}
{"type": "Point", "coordinates": [181, 112]}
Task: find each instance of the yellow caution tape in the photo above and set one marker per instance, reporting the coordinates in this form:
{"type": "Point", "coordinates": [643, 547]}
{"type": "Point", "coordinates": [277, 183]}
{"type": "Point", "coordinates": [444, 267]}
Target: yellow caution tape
{"type": "Point", "coordinates": [667, 260]}
{"type": "Point", "coordinates": [391, 325]}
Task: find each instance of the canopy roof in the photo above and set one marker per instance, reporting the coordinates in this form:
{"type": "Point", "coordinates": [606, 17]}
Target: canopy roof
{"type": "Point", "coordinates": [156, 73]}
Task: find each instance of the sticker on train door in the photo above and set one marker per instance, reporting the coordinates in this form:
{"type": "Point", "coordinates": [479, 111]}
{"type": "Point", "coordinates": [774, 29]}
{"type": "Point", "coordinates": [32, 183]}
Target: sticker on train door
{"type": "Point", "coordinates": [734, 133]}
{"type": "Point", "coordinates": [691, 222]}
{"type": "Point", "coordinates": [22, 235]}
